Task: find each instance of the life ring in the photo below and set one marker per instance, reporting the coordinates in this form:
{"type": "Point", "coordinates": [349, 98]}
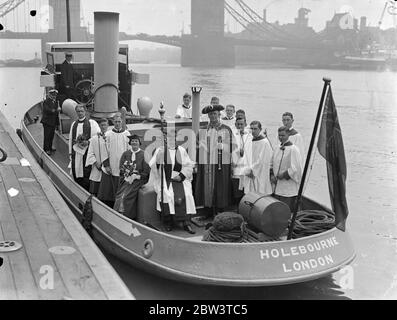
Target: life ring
{"type": "Point", "coordinates": [3, 155]}
{"type": "Point", "coordinates": [148, 248]}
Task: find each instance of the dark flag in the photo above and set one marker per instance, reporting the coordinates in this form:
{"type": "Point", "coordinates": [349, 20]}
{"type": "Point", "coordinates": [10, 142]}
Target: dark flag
{"type": "Point", "coordinates": [330, 146]}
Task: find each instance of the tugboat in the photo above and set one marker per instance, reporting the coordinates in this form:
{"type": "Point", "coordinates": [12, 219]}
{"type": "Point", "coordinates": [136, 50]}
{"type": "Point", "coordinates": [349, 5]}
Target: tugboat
{"type": "Point", "coordinates": [141, 242]}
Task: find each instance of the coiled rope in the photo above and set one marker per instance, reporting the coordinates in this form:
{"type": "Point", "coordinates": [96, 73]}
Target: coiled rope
{"type": "Point", "coordinates": [309, 222]}
{"type": "Point", "coordinates": [106, 85]}
{"type": "Point", "coordinates": [231, 227]}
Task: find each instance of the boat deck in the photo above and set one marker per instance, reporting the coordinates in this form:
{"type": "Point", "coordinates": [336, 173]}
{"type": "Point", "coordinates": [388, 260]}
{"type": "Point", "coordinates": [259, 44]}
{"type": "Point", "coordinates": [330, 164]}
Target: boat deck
{"type": "Point", "coordinates": [36, 129]}
{"type": "Point", "coordinates": [57, 260]}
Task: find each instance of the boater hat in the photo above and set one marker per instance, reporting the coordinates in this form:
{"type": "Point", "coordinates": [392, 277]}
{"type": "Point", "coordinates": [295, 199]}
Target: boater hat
{"type": "Point", "coordinates": [210, 108]}
{"type": "Point", "coordinates": [53, 91]}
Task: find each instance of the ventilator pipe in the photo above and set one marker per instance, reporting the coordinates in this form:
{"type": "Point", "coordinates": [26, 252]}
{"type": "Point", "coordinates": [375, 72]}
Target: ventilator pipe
{"type": "Point", "coordinates": [196, 90]}
{"type": "Point", "coordinates": [106, 48]}
{"type": "Point", "coordinates": [144, 105]}
{"type": "Point", "coordinates": [68, 108]}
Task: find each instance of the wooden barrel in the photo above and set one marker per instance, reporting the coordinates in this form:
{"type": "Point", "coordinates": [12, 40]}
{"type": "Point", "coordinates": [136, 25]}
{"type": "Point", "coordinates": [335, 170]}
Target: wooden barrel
{"type": "Point", "coordinates": [265, 213]}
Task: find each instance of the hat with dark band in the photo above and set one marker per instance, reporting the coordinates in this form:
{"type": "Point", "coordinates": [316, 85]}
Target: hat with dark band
{"type": "Point", "coordinates": [210, 108]}
{"type": "Point", "coordinates": [53, 91]}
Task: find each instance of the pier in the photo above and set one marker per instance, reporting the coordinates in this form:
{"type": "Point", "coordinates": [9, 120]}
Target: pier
{"type": "Point", "coordinates": [46, 253]}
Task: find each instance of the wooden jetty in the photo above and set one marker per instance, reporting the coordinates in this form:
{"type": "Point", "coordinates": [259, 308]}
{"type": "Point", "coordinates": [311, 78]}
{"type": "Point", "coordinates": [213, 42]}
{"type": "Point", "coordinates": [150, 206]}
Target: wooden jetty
{"type": "Point", "coordinates": [57, 260]}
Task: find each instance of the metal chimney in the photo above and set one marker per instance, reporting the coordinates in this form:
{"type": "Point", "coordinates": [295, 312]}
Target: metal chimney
{"type": "Point", "coordinates": [106, 65]}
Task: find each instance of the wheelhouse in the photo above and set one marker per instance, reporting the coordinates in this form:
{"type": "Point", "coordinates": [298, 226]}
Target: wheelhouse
{"type": "Point", "coordinates": [83, 67]}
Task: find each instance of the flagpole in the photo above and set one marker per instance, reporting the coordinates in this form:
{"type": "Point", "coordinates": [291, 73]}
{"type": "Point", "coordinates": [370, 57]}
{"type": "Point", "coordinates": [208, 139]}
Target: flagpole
{"type": "Point", "coordinates": [327, 82]}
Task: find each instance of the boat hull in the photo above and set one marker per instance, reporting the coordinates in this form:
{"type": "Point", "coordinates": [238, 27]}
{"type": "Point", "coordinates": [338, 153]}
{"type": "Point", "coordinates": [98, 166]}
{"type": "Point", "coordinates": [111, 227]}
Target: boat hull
{"type": "Point", "coordinates": [192, 260]}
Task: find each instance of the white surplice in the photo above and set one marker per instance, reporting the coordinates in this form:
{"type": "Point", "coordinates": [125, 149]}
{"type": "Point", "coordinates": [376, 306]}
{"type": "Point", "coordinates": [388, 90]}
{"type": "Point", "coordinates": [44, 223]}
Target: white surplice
{"type": "Point", "coordinates": [289, 160]}
{"type": "Point", "coordinates": [96, 153]}
{"type": "Point", "coordinates": [241, 163]}
{"type": "Point", "coordinates": [260, 163]}
{"type": "Point", "coordinates": [184, 112]}
{"type": "Point", "coordinates": [168, 193]}
{"type": "Point", "coordinates": [231, 122]}
{"type": "Point", "coordinates": [79, 165]}
{"type": "Point", "coordinates": [116, 144]}
{"type": "Point", "coordinates": [297, 140]}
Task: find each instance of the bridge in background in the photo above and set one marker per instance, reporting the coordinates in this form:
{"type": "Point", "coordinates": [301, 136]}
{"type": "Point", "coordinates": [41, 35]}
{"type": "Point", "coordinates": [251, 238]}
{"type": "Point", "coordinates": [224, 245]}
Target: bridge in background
{"type": "Point", "coordinates": [207, 45]}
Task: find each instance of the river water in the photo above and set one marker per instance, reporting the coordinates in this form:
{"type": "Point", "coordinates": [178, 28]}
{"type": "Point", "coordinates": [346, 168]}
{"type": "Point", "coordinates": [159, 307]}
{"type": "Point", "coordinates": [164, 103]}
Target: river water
{"type": "Point", "coordinates": [367, 108]}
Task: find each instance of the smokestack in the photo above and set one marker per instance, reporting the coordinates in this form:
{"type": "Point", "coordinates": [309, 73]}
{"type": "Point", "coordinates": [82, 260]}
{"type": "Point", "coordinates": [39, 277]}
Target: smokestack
{"type": "Point", "coordinates": [264, 15]}
{"type": "Point", "coordinates": [106, 65]}
{"type": "Point", "coordinates": [363, 23]}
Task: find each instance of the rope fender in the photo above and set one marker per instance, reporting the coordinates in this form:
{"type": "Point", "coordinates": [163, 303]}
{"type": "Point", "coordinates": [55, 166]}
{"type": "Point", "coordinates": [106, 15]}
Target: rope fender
{"type": "Point", "coordinates": [87, 215]}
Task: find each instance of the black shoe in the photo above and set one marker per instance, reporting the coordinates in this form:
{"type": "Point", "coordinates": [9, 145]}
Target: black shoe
{"type": "Point", "coordinates": [188, 228]}
{"type": "Point", "coordinates": [53, 150]}
{"type": "Point", "coordinates": [205, 217]}
{"type": "Point", "coordinates": [168, 227]}
{"type": "Point", "coordinates": [48, 152]}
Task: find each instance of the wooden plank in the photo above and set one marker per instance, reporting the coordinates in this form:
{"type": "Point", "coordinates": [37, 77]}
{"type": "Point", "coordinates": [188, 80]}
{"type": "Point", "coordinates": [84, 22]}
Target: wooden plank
{"type": "Point", "coordinates": [109, 280]}
{"type": "Point", "coordinates": [74, 270]}
{"type": "Point", "coordinates": [24, 286]}
{"type": "Point", "coordinates": [8, 290]}
{"type": "Point", "coordinates": [32, 239]}
{"type": "Point", "coordinates": [8, 145]}
{"type": "Point", "coordinates": [29, 187]}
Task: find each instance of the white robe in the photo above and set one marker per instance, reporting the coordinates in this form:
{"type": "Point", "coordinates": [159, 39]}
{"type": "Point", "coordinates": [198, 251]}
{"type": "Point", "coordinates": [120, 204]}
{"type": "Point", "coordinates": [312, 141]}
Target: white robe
{"type": "Point", "coordinates": [116, 144]}
{"type": "Point", "coordinates": [229, 122]}
{"type": "Point", "coordinates": [241, 163]}
{"type": "Point", "coordinates": [260, 163]}
{"type": "Point", "coordinates": [297, 140]}
{"type": "Point", "coordinates": [79, 165]}
{"type": "Point", "coordinates": [96, 153]}
{"type": "Point", "coordinates": [168, 193]}
{"type": "Point", "coordinates": [183, 112]}
{"type": "Point", "coordinates": [291, 161]}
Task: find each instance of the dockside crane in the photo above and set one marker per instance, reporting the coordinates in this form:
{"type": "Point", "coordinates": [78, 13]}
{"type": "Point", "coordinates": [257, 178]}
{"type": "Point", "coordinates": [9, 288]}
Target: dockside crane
{"type": "Point", "coordinates": [383, 14]}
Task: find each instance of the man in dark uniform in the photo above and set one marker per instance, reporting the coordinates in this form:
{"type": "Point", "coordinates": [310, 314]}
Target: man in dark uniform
{"type": "Point", "coordinates": [50, 119]}
{"type": "Point", "coordinates": [67, 77]}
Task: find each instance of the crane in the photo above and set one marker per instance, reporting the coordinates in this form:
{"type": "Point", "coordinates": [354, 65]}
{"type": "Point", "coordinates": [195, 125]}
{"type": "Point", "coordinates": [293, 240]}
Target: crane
{"type": "Point", "coordinates": [8, 6]}
{"type": "Point", "coordinates": [383, 14]}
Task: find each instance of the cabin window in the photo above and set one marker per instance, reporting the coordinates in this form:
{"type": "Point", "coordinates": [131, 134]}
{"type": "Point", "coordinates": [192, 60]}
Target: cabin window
{"type": "Point", "coordinates": [122, 58]}
{"type": "Point", "coordinates": [50, 59]}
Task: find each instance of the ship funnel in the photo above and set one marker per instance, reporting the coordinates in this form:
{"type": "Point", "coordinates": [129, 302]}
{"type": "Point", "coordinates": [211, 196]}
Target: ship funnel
{"type": "Point", "coordinates": [106, 65]}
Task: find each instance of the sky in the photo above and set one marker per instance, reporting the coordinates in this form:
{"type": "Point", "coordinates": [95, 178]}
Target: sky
{"type": "Point", "coordinates": [168, 17]}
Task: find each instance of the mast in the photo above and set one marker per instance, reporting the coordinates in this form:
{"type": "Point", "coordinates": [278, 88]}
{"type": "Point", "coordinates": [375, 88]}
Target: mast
{"type": "Point", "coordinates": [309, 152]}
